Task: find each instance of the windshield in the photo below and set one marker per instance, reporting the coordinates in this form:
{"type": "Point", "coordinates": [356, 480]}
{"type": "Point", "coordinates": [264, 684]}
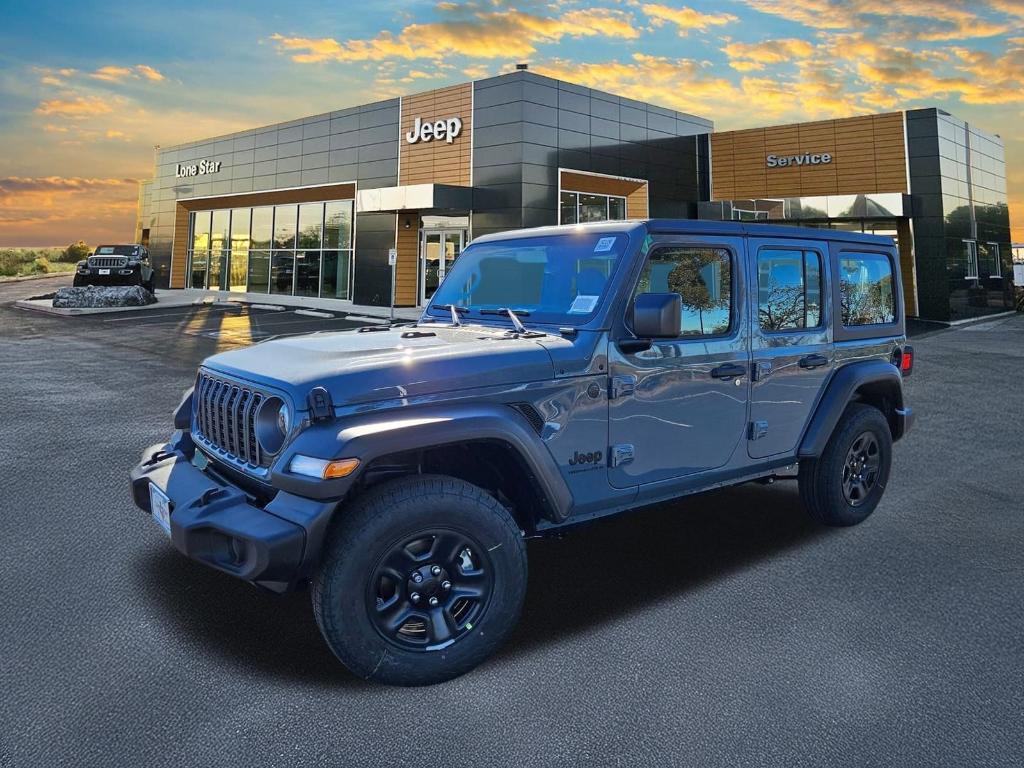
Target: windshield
{"type": "Point", "coordinates": [557, 279]}
{"type": "Point", "coordinates": [117, 250]}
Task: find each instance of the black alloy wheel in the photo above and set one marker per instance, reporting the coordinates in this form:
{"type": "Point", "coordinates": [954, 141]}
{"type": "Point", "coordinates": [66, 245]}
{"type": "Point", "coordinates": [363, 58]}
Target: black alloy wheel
{"type": "Point", "coordinates": [427, 591]}
{"type": "Point", "coordinates": [860, 472]}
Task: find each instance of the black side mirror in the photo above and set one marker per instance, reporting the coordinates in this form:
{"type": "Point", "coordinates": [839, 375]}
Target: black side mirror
{"type": "Point", "coordinates": [657, 315]}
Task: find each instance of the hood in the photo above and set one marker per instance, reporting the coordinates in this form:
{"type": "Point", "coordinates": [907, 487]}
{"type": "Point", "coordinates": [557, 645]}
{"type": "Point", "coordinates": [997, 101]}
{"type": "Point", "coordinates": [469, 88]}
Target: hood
{"type": "Point", "coordinates": [378, 365]}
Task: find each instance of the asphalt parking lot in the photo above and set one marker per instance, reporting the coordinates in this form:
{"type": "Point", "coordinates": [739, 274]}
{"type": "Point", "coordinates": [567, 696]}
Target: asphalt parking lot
{"type": "Point", "coordinates": [726, 630]}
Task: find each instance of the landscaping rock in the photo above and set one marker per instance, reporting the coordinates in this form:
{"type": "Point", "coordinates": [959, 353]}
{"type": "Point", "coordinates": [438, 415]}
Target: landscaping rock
{"type": "Point", "coordinates": [93, 296]}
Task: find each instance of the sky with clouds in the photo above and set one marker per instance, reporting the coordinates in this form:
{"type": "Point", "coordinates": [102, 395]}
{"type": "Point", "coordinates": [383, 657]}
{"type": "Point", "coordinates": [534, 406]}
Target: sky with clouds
{"type": "Point", "coordinates": [88, 88]}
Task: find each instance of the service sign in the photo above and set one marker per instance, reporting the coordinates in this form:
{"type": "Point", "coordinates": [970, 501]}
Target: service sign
{"type": "Point", "coordinates": [202, 168]}
{"type": "Point", "coordinates": [425, 130]}
{"type": "Point", "coordinates": [778, 161]}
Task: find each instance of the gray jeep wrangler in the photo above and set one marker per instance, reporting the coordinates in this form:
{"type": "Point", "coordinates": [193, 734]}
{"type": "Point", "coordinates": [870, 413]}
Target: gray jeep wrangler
{"type": "Point", "coordinates": [560, 375]}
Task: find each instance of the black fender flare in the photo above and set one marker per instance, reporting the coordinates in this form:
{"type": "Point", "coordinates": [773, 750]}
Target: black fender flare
{"type": "Point", "coordinates": [372, 435]}
{"type": "Point", "coordinates": [841, 389]}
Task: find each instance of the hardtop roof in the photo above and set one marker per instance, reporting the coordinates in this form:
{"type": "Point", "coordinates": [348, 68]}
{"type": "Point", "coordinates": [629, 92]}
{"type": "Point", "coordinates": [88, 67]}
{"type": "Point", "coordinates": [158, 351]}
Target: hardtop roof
{"type": "Point", "coordinates": [699, 227]}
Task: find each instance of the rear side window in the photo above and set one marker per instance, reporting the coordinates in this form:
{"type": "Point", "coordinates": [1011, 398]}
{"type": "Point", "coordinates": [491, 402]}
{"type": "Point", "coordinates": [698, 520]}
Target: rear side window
{"type": "Point", "coordinates": [788, 289]}
{"type": "Point", "coordinates": [702, 277]}
{"type": "Point", "coordinates": [866, 289]}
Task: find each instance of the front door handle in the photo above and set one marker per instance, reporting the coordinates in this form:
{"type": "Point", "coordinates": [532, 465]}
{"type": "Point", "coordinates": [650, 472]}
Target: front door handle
{"type": "Point", "coordinates": [813, 361]}
{"type": "Point", "coordinates": [728, 371]}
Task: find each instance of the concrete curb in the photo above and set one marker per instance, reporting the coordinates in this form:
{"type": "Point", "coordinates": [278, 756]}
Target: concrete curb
{"type": "Point", "coordinates": [26, 278]}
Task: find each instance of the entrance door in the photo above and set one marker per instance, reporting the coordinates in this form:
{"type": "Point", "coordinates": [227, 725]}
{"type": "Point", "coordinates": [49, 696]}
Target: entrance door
{"type": "Point", "coordinates": [438, 250]}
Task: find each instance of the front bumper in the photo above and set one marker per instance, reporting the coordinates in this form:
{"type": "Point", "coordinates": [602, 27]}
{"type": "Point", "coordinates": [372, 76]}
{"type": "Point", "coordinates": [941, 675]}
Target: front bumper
{"type": "Point", "coordinates": [116, 277]}
{"type": "Point", "coordinates": [275, 545]}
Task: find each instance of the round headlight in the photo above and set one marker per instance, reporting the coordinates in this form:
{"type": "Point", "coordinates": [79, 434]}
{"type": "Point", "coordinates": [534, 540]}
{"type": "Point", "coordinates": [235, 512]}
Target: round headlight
{"type": "Point", "coordinates": [273, 421]}
{"type": "Point", "coordinates": [284, 419]}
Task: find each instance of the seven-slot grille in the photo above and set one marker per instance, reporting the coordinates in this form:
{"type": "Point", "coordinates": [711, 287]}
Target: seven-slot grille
{"type": "Point", "coordinates": [225, 418]}
{"type": "Point", "coordinates": [116, 262]}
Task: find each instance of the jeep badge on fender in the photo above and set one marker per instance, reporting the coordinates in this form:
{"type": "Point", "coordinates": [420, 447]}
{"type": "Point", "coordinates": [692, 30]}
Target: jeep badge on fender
{"type": "Point", "coordinates": [397, 474]}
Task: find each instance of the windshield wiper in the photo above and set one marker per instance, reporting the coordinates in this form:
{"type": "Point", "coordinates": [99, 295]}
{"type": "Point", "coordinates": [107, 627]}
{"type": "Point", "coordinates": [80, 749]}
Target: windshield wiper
{"type": "Point", "coordinates": [454, 309]}
{"type": "Point", "coordinates": [512, 315]}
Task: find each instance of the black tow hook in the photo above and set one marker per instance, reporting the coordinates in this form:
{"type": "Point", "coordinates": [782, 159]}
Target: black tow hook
{"type": "Point", "coordinates": [209, 495]}
{"type": "Point", "coordinates": [159, 456]}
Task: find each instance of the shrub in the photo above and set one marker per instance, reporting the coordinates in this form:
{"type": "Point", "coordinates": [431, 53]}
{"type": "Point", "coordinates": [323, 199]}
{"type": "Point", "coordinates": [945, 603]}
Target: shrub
{"type": "Point", "coordinates": [76, 251]}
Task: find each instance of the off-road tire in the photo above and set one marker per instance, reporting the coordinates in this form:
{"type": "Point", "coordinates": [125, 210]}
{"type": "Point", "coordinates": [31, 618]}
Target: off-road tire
{"type": "Point", "coordinates": [373, 526]}
{"type": "Point", "coordinates": [821, 479]}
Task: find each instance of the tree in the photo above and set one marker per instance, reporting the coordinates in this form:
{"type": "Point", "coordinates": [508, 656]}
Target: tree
{"type": "Point", "coordinates": [76, 251]}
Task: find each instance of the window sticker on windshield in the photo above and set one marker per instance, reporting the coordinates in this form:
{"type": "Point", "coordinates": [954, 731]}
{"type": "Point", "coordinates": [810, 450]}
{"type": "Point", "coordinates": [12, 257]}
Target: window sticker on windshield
{"type": "Point", "coordinates": [583, 305]}
{"type": "Point", "coordinates": [106, 250]}
{"type": "Point", "coordinates": [604, 245]}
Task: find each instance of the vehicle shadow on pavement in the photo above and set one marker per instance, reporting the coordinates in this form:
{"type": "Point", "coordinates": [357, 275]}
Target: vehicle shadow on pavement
{"type": "Point", "coordinates": [612, 568]}
{"type": "Point", "coordinates": [598, 572]}
{"type": "Point", "coordinates": [274, 634]}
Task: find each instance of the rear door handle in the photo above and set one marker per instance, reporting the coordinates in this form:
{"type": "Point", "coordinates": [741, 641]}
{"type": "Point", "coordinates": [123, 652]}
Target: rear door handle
{"type": "Point", "coordinates": [728, 371]}
{"type": "Point", "coordinates": [813, 361]}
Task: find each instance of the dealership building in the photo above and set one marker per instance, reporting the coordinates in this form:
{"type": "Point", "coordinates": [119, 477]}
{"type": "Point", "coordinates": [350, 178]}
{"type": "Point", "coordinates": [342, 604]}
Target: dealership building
{"type": "Point", "coordinates": [316, 206]}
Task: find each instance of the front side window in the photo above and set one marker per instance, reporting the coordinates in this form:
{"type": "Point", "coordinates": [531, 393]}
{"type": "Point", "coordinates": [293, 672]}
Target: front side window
{"type": "Point", "coordinates": [866, 288]}
{"type": "Point", "coordinates": [788, 289]}
{"type": "Point", "coordinates": [702, 276]}
{"type": "Point", "coordinates": [556, 279]}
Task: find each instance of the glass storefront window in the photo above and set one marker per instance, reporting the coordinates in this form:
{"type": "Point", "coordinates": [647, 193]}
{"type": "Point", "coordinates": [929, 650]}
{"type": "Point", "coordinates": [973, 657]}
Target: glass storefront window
{"type": "Point", "coordinates": [311, 221]}
{"type": "Point", "coordinates": [262, 228]}
{"type": "Point", "coordinates": [259, 271]}
{"type": "Point", "coordinates": [200, 248]}
{"type": "Point", "coordinates": [338, 224]}
{"type": "Point", "coordinates": [307, 273]}
{"type": "Point", "coordinates": [305, 250]}
{"type": "Point", "coordinates": [239, 259]}
{"type": "Point", "coordinates": [282, 272]}
{"type": "Point", "coordinates": [569, 202]}
{"type": "Point", "coordinates": [577, 207]}
{"type": "Point", "coordinates": [593, 208]}
{"type": "Point", "coordinates": [334, 274]}
{"type": "Point", "coordinates": [220, 240]}
{"type": "Point", "coordinates": [284, 226]}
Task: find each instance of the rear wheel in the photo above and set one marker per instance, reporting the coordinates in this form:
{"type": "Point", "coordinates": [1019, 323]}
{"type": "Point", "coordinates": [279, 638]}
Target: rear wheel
{"type": "Point", "coordinates": [844, 485]}
{"type": "Point", "coordinates": [421, 580]}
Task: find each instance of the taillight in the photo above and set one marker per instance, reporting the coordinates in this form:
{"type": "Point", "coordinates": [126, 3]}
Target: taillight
{"type": "Point", "coordinates": [904, 359]}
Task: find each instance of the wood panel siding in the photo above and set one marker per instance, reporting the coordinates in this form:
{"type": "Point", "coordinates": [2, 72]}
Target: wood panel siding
{"type": "Point", "coordinates": [634, 190]}
{"type": "Point", "coordinates": [407, 241]}
{"type": "Point", "coordinates": [179, 246]}
{"type": "Point", "coordinates": [868, 156]}
{"type": "Point", "coordinates": [437, 161]}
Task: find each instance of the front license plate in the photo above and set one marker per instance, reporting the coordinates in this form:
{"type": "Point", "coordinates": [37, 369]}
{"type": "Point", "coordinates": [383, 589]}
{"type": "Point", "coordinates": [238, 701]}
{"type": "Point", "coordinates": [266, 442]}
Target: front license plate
{"type": "Point", "coordinates": [104, 271]}
{"type": "Point", "coordinates": [161, 506]}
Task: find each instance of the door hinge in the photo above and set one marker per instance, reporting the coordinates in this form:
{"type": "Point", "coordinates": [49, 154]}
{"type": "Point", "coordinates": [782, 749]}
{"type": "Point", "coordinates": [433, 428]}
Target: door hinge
{"type": "Point", "coordinates": [758, 429]}
{"type": "Point", "coordinates": [621, 386]}
{"type": "Point", "coordinates": [621, 454]}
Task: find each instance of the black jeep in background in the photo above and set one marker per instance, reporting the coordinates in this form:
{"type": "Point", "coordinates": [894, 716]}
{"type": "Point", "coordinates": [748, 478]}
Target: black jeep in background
{"type": "Point", "coordinates": [116, 265]}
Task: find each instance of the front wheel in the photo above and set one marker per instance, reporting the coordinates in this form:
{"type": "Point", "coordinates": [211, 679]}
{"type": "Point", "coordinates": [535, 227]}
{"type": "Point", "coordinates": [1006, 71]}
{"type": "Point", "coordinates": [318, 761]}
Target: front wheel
{"type": "Point", "coordinates": [421, 580]}
{"type": "Point", "coordinates": [844, 485]}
